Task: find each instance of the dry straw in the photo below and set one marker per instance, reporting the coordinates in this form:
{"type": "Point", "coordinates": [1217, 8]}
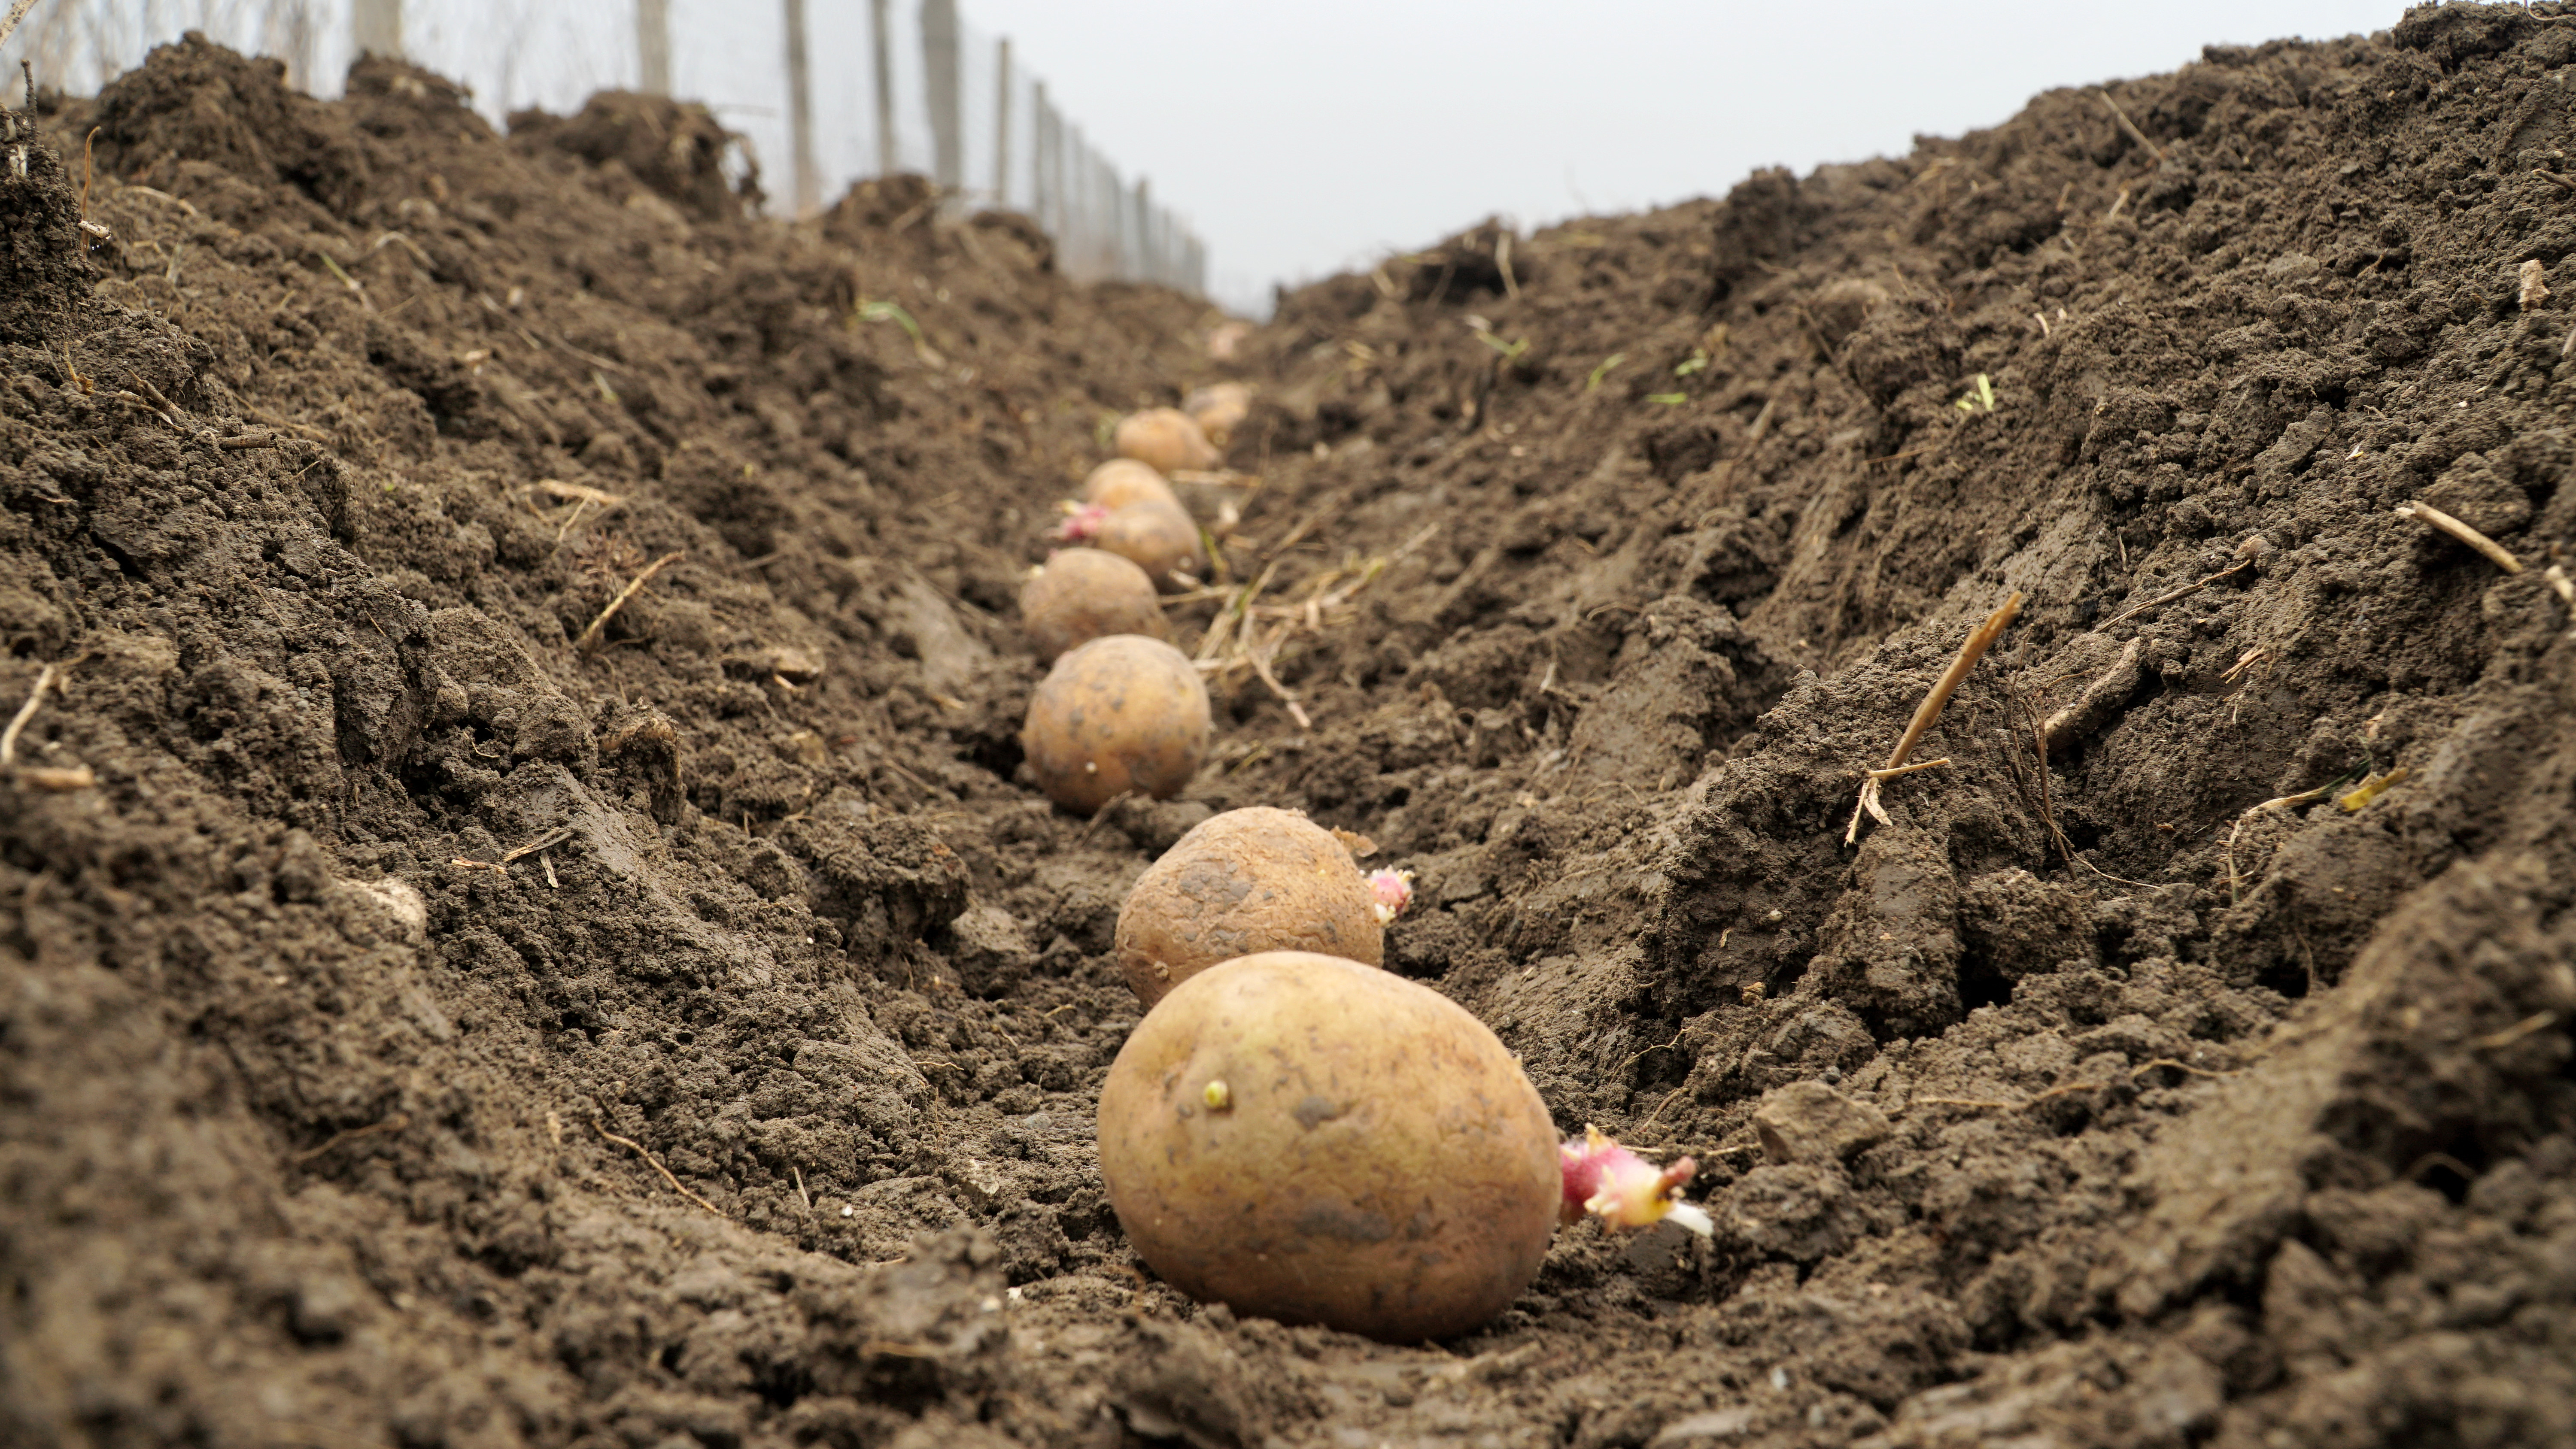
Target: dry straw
{"type": "Point", "coordinates": [1979, 641]}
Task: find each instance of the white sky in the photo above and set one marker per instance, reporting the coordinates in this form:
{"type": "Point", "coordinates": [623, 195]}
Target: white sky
{"type": "Point", "coordinates": [1303, 138]}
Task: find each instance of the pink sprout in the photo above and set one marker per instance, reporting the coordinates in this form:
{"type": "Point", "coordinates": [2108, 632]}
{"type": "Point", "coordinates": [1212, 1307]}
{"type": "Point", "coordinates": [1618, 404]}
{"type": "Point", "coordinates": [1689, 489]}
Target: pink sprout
{"type": "Point", "coordinates": [1081, 521]}
{"type": "Point", "coordinates": [1624, 1190]}
{"type": "Point", "coordinates": [1394, 891]}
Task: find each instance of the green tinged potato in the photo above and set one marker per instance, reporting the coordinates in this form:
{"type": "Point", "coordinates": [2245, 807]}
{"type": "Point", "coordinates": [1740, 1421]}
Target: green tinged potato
{"type": "Point", "coordinates": [1117, 714]}
{"type": "Point", "coordinates": [1083, 594]}
{"type": "Point", "coordinates": [1317, 1141]}
{"type": "Point", "coordinates": [1256, 879]}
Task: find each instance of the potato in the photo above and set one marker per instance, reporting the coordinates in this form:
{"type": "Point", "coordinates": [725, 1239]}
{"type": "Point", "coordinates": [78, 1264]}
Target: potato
{"type": "Point", "coordinates": [1122, 481]}
{"type": "Point", "coordinates": [1256, 879]}
{"type": "Point", "coordinates": [1219, 408]}
{"type": "Point", "coordinates": [1317, 1141]}
{"type": "Point", "coordinates": [1157, 537]}
{"type": "Point", "coordinates": [1164, 439]}
{"type": "Point", "coordinates": [1120, 713]}
{"type": "Point", "coordinates": [1082, 594]}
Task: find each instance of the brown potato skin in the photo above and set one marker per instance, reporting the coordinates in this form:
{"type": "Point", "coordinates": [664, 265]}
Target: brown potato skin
{"type": "Point", "coordinates": [1255, 879]}
{"type": "Point", "coordinates": [1122, 481]}
{"type": "Point", "coordinates": [1120, 713]}
{"type": "Point", "coordinates": [1157, 537]}
{"type": "Point", "coordinates": [1381, 1166]}
{"type": "Point", "coordinates": [1083, 594]}
{"type": "Point", "coordinates": [1219, 408]}
{"type": "Point", "coordinates": [1164, 439]}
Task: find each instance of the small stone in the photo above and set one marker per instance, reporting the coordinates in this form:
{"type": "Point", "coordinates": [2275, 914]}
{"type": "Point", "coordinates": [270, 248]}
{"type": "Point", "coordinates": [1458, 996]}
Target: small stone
{"type": "Point", "coordinates": [1811, 1122]}
{"type": "Point", "coordinates": [796, 666]}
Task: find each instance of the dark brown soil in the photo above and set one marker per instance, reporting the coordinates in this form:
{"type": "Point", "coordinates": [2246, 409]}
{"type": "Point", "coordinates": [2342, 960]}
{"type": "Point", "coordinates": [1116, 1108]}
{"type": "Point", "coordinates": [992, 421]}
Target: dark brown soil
{"type": "Point", "coordinates": [349, 1018]}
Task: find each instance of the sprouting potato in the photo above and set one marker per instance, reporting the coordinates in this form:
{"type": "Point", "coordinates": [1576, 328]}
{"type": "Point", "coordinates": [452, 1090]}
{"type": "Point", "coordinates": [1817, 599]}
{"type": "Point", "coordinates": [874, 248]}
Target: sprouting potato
{"type": "Point", "coordinates": [1164, 439]}
{"type": "Point", "coordinates": [1122, 481]}
{"type": "Point", "coordinates": [1255, 879]}
{"type": "Point", "coordinates": [1120, 713]}
{"type": "Point", "coordinates": [1082, 594]}
{"type": "Point", "coordinates": [1219, 408]}
{"type": "Point", "coordinates": [1313, 1140]}
{"type": "Point", "coordinates": [1155, 535]}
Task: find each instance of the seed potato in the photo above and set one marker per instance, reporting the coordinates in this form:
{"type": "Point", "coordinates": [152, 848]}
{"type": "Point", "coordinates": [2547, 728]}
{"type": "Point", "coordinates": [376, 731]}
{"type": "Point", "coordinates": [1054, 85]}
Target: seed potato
{"type": "Point", "coordinates": [1219, 408]}
{"type": "Point", "coordinates": [1122, 481]}
{"type": "Point", "coordinates": [1120, 713]}
{"type": "Point", "coordinates": [1317, 1141]}
{"type": "Point", "coordinates": [1082, 594]}
{"type": "Point", "coordinates": [1256, 879]}
{"type": "Point", "coordinates": [1164, 439]}
{"type": "Point", "coordinates": [1155, 535]}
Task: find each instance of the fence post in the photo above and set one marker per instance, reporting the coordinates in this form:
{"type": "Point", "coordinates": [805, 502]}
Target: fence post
{"type": "Point", "coordinates": [290, 28]}
{"type": "Point", "coordinates": [881, 43]}
{"type": "Point", "coordinates": [1039, 195]}
{"type": "Point", "coordinates": [653, 46]}
{"type": "Point", "coordinates": [1144, 268]}
{"type": "Point", "coordinates": [939, 64]}
{"type": "Point", "coordinates": [1002, 122]}
{"type": "Point", "coordinates": [376, 28]}
{"type": "Point", "coordinates": [800, 113]}
{"type": "Point", "coordinates": [1077, 198]}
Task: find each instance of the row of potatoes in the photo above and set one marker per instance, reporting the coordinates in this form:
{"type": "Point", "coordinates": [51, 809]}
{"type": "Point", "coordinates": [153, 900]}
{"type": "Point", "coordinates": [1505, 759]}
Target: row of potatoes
{"type": "Point", "coordinates": [1291, 1130]}
{"type": "Point", "coordinates": [1122, 711]}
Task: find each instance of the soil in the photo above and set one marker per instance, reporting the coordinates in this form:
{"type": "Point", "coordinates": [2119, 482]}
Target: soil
{"type": "Point", "coordinates": [446, 1019]}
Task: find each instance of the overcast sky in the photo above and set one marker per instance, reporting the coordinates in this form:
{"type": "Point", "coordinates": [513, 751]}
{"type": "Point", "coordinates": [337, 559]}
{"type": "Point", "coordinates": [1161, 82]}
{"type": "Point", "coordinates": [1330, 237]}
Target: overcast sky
{"type": "Point", "coordinates": [1305, 138]}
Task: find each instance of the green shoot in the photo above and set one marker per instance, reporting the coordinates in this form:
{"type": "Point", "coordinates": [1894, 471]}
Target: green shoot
{"type": "Point", "coordinates": [1696, 362]}
{"type": "Point", "coordinates": [868, 311]}
{"type": "Point", "coordinates": [1979, 400]}
{"type": "Point", "coordinates": [1511, 351]}
{"type": "Point", "coordinates": [1668, 399]}
{"type": "Point", "coordinates": [1594, 381]}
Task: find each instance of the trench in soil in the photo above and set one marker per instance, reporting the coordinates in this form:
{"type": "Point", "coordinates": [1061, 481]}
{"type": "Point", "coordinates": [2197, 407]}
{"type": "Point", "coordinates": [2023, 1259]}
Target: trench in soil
{"type": "Point", "coordinates": [2097, 1097]}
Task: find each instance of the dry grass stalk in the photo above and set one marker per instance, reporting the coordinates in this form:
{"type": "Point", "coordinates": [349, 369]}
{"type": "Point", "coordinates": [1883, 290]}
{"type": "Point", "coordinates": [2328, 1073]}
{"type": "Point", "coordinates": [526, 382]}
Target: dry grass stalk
{"type": "Point", "coordinates": [1236, 640]}
{"type": "Point", "coordinates": [546, 841]}
{"type": "Point", "coordinates": [18, 721]}
{"type": "Point", "coordinates": [394, 1123]}
{"type": "Point", "coordinates": [2131, 127]}
{"type": "Point", "coordinates": [17, 12]}
{"type": "Point", "coordinates": [579, 493]}
{"type": "Point", "coordinates": [639, 1149]}
{"type": "Point", "coordinates": [2425, 513]}
{"type": "Point", "coordinates": [2160, 600]}
{"type": "Point", "coordinates": [2279, 802]}
{"type": "Point", "coordinates": [2098, 698]}
{"type": "Point", "coordinates": [2370, 789]}
{"type": "Point", "coordinates": [2497, 1041]}
{"type": "Point", "coordinates": [1978, 642]}
{"type": "Point", "coordinates": [590, 636]}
